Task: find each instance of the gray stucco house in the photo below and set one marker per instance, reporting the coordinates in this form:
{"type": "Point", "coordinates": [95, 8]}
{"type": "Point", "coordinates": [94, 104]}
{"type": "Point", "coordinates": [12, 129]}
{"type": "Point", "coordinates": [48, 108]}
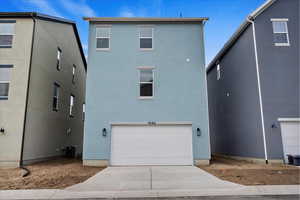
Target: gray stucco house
{"type": "Point", "coordinates": [146, 100]}
{"type": "Point", "coordinates": [42, 87]}
{"type": "Point", "coordinates": [254, 81]}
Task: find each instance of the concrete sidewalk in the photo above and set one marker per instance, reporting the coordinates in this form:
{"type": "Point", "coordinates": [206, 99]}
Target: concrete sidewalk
{"type": "Point", "coordinates": [239, 191]}
{"type": "Point", "coordinates": [152, 178]}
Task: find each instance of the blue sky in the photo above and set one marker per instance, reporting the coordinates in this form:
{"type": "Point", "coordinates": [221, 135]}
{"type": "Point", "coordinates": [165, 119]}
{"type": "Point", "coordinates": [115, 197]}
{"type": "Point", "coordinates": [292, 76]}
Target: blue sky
{"type": "Point", "coordinates": [225, 15]}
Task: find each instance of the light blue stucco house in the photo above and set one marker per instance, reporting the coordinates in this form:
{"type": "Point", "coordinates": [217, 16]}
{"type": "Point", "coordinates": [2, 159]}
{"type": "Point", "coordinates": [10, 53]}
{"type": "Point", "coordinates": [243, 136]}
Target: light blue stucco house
{"type": "Point", "coordinates": [146, 100]}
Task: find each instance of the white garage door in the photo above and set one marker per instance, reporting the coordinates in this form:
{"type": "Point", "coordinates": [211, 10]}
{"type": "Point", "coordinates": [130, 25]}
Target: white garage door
{"type": "Point", "coordinates": [151, 145]}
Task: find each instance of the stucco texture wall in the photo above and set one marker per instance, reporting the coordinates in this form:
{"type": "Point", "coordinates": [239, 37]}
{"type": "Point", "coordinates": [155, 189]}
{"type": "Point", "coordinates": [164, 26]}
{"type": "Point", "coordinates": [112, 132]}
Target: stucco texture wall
{"type": "Point", "coordinates": [12, 110]}
{"type": "Point", "coordinates": [179, 86]}
{"type": "Point", "coordinates": [46, 130]}
{"type": "Point", "coordinates": [280, 71]}
{"type": "Point", "coordinates": [234, 109]}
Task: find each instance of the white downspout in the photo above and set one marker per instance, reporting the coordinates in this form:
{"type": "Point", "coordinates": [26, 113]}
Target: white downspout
{"type": "Point", "coordinates": [259, 89]}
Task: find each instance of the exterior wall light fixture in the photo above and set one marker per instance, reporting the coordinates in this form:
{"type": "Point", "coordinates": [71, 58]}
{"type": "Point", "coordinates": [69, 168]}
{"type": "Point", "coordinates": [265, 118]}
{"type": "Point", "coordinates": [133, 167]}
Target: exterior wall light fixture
{"type": "Point", "coordinates": [104, 132]}
{"type": "Point", "coordinates": [198, 132]}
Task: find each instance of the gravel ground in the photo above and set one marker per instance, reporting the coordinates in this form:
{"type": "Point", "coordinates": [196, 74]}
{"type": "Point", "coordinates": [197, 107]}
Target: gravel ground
{"type": "Point", "coordinates": [55, 174]}
{"type": "Point", "coordinates": [247, 173]}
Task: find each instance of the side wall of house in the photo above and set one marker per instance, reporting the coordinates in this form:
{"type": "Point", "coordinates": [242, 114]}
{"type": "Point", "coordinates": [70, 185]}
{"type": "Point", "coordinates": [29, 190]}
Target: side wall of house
{"type": "Point", "coordinates": [12, 110]}
{"type": "Point", "coordinates": [235, 122]}
{"type": "Point", "coordinates": [280, 71]}
{"type": "Point", "coordinates": [46, 130]}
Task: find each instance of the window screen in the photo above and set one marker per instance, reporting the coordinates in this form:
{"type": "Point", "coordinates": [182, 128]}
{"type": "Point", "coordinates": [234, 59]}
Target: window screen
{"type": "Point", "coordinates": [146, 82]}
{"type": "Point", "coordinates": [280, 32]}
{"type": "Point", "coordinates": [146, 37]}
{"type": "Point", "coordinates": [7, 30]}
{"type": "Point", "coordinates": [102, 37]}
{"type": "Point", "coordinates": [5, 71]}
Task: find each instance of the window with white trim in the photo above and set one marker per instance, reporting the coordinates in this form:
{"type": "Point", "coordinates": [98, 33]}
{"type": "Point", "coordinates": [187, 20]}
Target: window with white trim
{"type": "Point", "coordinates": [146, 83]}
{"type": "Point", "coordinates": [103, 38]}
{"type": "Point", "coordinates": [7, 32]}
{"type": "Point", "coordinates": [55, 97]}
{"type": "Point", "coordinates": [83, 111]}
{"type": "Point", "coordinates": [73, 73]}
{"type": "Point", "coordinates": [72, 100]}
{"type": "Point", "coordinates": [146, 37]}
{"type": "Point", "coordinates": [280, 32]}
{"type": "Point", "coordinates": [218, 72]}
{"type": "Point", "coordinates": [5, 71]}
{"type": "Point", "coordinates": [58, 63]}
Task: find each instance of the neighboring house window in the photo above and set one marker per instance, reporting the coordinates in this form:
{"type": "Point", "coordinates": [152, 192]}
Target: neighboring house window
{"type": "Point", "coordinates": [103, 38]}
{"type": "Point", "coordinates": [59, 53]}
{"type": "Point", "coordinates": [218, 72]}
{"type": "Point", "coordinates": [56, 96]}
{"type": "Point", "coordinates": [7, 32]}
{"type": "Point", "coordinates": [146, 83]}
{"type": "Point", "coordinates": [146, 38]}
{"type": "Point", "coordinates": [83, 111]}
{"type": "Point", "coordinates": [73, 73]}
{"type": "Point", "coordinates": [5, 71]}
{"type": "Point", "coordinates": [280, 32]}
{"type": "Point", "coordinates": [72, 99]}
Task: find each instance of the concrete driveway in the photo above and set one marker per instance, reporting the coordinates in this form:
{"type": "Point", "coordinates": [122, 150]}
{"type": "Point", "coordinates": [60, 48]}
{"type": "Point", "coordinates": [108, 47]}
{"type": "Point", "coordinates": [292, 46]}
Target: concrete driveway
{"type": "Point", "coordinates": [152, 178]}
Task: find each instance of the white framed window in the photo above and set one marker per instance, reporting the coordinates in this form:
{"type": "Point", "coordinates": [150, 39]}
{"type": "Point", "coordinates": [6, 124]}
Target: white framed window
{"type": "Point", "coordinates": [83, 111]}
{"type": "Point", "coordinates": [146, 82]}
{"type": "Point", "coordinates": [7, 32]}
{"type": "Point", "coordinates": [218, 72]}
{"type": "Point", "coordinates": [280, 32]}
{"type": "Point", "coordinates": [5, 71]}
{"type": "Point", "coordinates": [146, 37]}
{"type": "Point", "coordinates": [58, 63]}
{"type": "Point", "coordinates": [72, 101]}
{"type": "Point", "coordinates": [103, 37]}
{"type": "Point", "coordinates": [55, 97]}
{"type": "Point", "coordinates": [73, 73]}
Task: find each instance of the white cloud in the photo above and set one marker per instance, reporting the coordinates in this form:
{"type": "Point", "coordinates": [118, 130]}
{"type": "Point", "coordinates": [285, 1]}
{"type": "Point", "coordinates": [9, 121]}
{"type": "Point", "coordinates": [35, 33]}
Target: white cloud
{"type": "Point", "coordinates": [125, 12]}
{"type": "Point", "coordinates": [44, 7]}
{"type": "Point", "coordinates": [78, 8]}
{"type": "Point", "coordinates": [85, 47]}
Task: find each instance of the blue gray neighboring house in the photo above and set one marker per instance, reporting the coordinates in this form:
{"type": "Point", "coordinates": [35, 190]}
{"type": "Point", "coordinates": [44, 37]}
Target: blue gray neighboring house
{"type": "Point", "coordinates": [253, 81]}
{"type": "Point", "coordinates": [146, 100]}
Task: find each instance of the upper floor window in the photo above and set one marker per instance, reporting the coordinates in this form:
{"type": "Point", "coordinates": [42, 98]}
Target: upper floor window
{"type": "Point", "coordinates": [218, 72]}
{"type": "Point", "coordinates": [83, 111]}
{"type": "Point", "coordinates": [73, 73]}
{"type": "Point", "coordinates": [146, 38]}
{"type": "Point", "coordinates": [280, 32]}
{"type": "Point", "coordinates": [4, 80]}
{"type": "Point", "coordinates": [59, 54]}
{"type": "Point", "coordinates": [146, 82]}
{"type": "Point", "coordinates": [103, 38]}
{"type": "Point", "coordinates": [55, 96]}
{"type": "Point", "coordinates": [7, 31]}
{"type": "Point", "coordinates": [72, 99]}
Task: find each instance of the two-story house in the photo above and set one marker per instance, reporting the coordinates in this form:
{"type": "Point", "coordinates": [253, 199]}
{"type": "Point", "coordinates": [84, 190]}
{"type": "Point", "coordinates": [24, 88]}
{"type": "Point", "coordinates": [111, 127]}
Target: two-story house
{"type": "Point", "coordinates": [146, 100]}
{"type": "Point", "coordinates": [42, 87]}
{"type": "Point", "coordinates": [253, 83]}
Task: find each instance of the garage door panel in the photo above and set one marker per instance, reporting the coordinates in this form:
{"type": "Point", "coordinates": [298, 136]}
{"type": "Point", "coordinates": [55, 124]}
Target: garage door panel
{"type": "Point", "coordinates": [151, 145]}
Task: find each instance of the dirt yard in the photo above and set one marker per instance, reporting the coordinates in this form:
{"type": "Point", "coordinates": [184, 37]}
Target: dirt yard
{"type": "Point", "coordinates": [247, 173]}
{"type": "Point", "coordinates": [53, 174]}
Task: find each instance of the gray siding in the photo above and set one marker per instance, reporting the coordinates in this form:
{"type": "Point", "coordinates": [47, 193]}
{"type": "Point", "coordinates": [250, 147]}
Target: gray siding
{"type": "Point", "coordinates": [235, 123]}
{"type": "Point", "coordinates": [46, 130]}
{"type": "Point", "coordinates": [280, 71]}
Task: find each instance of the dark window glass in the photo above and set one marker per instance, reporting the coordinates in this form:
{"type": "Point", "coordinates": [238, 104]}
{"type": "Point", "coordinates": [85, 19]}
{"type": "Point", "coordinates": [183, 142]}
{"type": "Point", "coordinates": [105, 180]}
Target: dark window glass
{"type": "Point", "coordinates": [4, 88]}
{"type": "Point", "coordinates": [58, 65]}
{"type": "Point", "coordinates": [55, 96]}
{"type": "Point", "coordinates": [146, 90]}
{"type": "Point", "coordinates": [102, 43]}
{"type": "Point", "coordinates": [146, 43]}
{"type": "Point", "coordinates": [280, 38]}
{"type": "Point", "coordinates": [6, 40]}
